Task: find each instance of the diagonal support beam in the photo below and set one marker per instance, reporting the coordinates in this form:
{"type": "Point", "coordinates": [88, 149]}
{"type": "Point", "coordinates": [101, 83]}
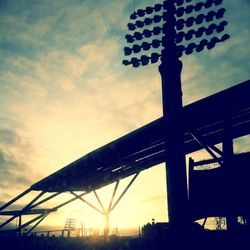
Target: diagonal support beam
{"type": "Point", "coordinates": [33, 227]}
{"type": "Point", "coordinates": [20, 213]}
{"type": "Point", "coordinates": [113, 196]}
{"type": "Point", "coordinates": [99, 201]}
{"type": "Point", "coordinates": [31, 221]}
{"type": "Point", "coordinates": [80, 198]}
{"type": "Point", "coordinates": [29, 206]}
{"type": "Point", "coordinates": [44, 200]}
{"type": "Point", "coordinates": [8, 221]}
{"type": "Point", "coordinates": [69, 201]}
{"type": "Point", "coordinates": [204, 222]}
{"type": "Point", "coordinates": [124, 192]}
{"type": "Point", "coordinates": [205, 146]}
{"type": "Point", "coordinates": [217, 150]}
{"type": "Point", "coordinates": [15, 199]}
{"type": "Point", "coordinates": [33, 201]}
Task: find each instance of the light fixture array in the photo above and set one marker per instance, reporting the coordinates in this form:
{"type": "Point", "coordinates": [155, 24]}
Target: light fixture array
{"type": "Point", "coordinates": [183, 31]}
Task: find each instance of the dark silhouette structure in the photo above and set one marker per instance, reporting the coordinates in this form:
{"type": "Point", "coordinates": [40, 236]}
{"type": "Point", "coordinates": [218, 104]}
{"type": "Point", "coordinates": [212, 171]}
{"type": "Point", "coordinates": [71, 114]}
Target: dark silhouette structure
{"type": "Point", "coordinates": [219, 118]}
{"type": "Point", "coordinates": [176, 31]}
{"type": "Point", "coordinates": [218, 190]}
{"type": "Point", "coordinates": [136, 151]}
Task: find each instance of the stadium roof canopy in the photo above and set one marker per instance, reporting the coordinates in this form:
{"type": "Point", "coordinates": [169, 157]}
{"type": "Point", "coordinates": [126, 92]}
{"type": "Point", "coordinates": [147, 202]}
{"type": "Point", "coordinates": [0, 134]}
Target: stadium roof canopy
{"type": "Point", "coordinates": [144, 147]}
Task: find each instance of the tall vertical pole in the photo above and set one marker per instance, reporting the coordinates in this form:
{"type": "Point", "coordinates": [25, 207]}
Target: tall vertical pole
{"type": "Point", "coordinates": [20, 225]}
{"type": "Point", "coordinates": [106, 228]}
{"type": "Point", "coordinates": [228, 153]}
{"type": "Point", "coordinates": [170, 70]}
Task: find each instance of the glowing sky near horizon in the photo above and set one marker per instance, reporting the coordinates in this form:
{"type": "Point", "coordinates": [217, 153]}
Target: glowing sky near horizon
{"type": "Point", "coordinates": [64, 92]}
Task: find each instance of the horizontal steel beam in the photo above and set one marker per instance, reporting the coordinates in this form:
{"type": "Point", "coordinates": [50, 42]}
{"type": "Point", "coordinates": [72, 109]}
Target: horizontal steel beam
{"type": "Point", "coordinates": [144, 147]}
{"type": "Point", "coordinates": [26, 212]}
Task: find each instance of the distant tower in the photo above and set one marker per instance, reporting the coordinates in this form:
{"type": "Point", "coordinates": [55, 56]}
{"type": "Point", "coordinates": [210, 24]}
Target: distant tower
{"type": "Point", "coordinates": [70, 225]}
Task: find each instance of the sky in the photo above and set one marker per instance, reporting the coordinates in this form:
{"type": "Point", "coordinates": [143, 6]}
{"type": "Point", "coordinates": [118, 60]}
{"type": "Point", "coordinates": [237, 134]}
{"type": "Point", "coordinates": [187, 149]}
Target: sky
{"type": "Point", "coordinates": [64, 92]}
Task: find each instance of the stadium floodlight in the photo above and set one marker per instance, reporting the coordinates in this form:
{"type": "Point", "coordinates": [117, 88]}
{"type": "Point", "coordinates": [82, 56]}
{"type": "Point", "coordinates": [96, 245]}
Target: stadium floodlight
{"type": "Point", "coordinates": [156, 30]}
{"type": "Point", "coordinates": [140, 13]}
{"type": "Point", "coordinates": [138, 36]}
{"type": "Point", "coordinates": [149, 10]}
{"type": "Point", "coordinates": [174, 14]}
{"type": "Point", "coordinates": [157, 7]}
{"type": "Point", "coordinates": [181, 29]}
{"type": "Point", "coordinates": [147, 33]}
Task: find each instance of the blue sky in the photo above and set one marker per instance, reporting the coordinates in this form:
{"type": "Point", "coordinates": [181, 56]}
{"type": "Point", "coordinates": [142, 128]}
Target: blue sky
{"type": "Point", "coordinates": [64, 91]}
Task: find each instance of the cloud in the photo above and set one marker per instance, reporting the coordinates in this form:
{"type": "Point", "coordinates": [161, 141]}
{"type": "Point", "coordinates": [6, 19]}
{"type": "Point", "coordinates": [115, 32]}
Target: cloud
{"type": "Point", "coordinates": [8, 136]}
{"type": "Point", "coordinates": [45, 26]}
{"type": "Point", "coordinates": [14, 165]}
{"type": "Point", "coordinates": [11, 171]}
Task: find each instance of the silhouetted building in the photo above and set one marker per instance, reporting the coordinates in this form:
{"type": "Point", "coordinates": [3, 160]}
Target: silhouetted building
{"type": "Point", "coordinates": [154, 230]}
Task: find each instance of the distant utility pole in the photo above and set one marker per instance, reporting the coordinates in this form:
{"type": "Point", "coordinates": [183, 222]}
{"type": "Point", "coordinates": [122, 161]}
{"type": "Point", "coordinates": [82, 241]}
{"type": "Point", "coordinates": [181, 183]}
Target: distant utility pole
{"type": "Point", "coordinates": [175, 30]}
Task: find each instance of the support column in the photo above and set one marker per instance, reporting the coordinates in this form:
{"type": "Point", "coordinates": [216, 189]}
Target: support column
{"type": "Point", "coordinates": [170, 70]}
{"type": "Point", "coordinates": [228, 156]}
{"type": "Point", "coordinates": [174, 138]}
{"type": "Point", "coordinates": [106, 228]}
{"type": "Point", "coordinates": [175, 158]}
{"type": "Point", "coordinates": [190, 175]}
{"type": "Point", "coordinates": [20, 225]}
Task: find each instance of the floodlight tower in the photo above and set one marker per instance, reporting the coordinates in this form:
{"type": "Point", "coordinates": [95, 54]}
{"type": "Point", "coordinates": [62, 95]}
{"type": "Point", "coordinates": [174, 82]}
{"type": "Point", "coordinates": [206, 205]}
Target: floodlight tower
{"type": "Point", "coordinates": [180, 32]}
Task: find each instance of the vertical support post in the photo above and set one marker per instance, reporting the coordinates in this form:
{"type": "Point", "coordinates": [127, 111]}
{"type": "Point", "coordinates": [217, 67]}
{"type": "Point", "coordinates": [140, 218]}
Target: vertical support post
{"type": "Point", "coordinates": [190, 175]}
{"type": "Point", "coordinates": [191, 204]}
{"type": "Point", "coordinates": [170, 70]}
{"type": "Point", "coordinates": [106, 229]}
{"type": "Point", "coordinates": [228, 155]}
{"type": "Point", "coordinates": [20, 225]}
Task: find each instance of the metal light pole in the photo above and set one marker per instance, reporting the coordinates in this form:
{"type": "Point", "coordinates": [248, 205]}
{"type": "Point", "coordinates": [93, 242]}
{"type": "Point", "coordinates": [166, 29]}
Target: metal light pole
{"type": "Point", "coordinates": [170, 70]}
{"type": "Point", "coordinates": [176, 32]}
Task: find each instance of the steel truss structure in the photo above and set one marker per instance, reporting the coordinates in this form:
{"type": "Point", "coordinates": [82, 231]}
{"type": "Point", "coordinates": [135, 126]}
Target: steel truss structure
{"type": "Point", "coordinates": [206, 124]}
{"type": "Point", "coordinates": [31, 208]}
